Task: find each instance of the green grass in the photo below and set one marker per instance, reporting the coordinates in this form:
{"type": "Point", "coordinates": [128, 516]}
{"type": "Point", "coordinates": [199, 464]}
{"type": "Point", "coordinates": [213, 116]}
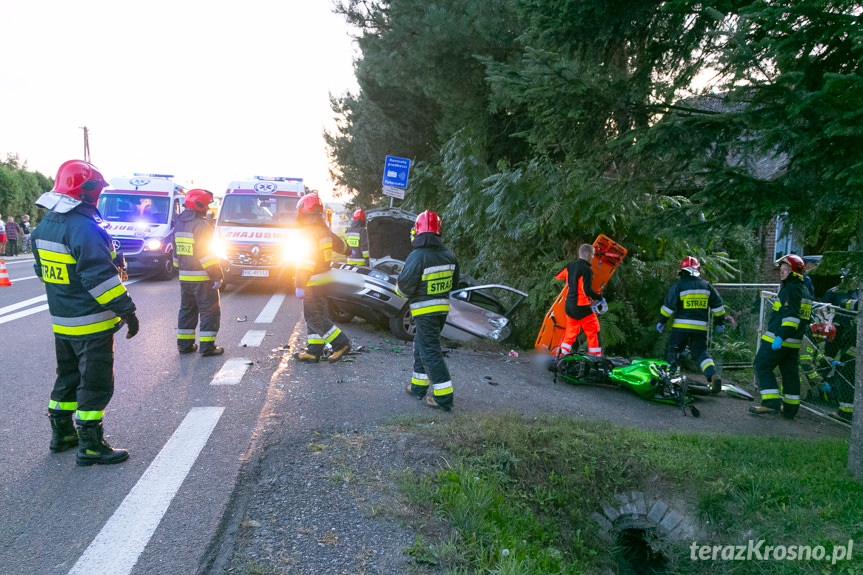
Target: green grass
{"type": "Point", "coordinates": [518, 495]}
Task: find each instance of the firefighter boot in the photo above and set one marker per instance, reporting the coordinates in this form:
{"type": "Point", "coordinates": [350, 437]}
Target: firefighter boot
{"type": "Point", "coordinates": [63, 434]}
{"type": "Point", "coordinates": [715, 384]}
{"type": "Point", "coordinates": [306, 357]}
{"type": "Point", "coordinates": [763, 410]}
{"type": "Point", "coordinates": [92, 447]}
{"type": "Point", "coordinates": [339, 353]}
{"type": "Point", "coordinates": [215, 350]}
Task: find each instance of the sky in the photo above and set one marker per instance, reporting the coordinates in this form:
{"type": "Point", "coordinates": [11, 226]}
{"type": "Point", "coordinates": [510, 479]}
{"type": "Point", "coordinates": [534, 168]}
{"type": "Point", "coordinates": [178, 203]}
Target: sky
{"type": "Point", "coordinates": [209, 91]}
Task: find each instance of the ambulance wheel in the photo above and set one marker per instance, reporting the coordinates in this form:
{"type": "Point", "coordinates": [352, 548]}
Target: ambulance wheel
{"type": "Point", "coordinates": [402, 325]}
{"type": "Point", "coordinates": [166, 272]}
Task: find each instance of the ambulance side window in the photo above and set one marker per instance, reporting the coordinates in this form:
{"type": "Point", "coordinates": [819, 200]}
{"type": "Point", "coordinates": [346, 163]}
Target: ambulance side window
{"type": "Point", "coordinates": [176, 211]}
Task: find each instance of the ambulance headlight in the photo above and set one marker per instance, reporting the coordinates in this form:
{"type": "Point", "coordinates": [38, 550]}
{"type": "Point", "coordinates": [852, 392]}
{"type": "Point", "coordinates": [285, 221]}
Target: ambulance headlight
{"type": "Point", "coordinates": [220, 248]}
{"type": "Point", "coordinates": [296, 248]}
{"type": "Point", "coordinates": [154, 244]}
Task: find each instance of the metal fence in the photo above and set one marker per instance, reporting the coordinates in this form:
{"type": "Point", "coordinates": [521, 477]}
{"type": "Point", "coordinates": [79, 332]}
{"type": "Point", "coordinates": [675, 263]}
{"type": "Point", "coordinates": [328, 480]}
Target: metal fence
{"type": "Point", "coordinates": [744, 316]}
{"type": "Point", "coordinates": [827, 356]}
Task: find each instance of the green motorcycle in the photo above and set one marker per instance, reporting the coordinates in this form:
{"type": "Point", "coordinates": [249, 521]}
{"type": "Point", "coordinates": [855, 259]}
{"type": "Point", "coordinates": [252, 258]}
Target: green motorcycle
{"type": "Point", "coordinates": [651, 379]}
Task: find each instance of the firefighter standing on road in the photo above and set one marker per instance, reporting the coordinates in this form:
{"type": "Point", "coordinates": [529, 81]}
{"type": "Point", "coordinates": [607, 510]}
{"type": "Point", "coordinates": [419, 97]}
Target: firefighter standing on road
{"type": "Point", "coordinates": [357, 238]}
{"type": "Point", "coordinates": [582, 303]}
{"type": "Point", "coordinates": [87, 302]}
{"type": "Point", "coordinates": [780, 345]}
{"type": "Point", "coordinates": [691, 300]}
{"type": "Point", "coordinates": [312, 278]}
{"type": "Point", "coordinates": [200, 277]}
{"type": "Point", "coordinates": [429, 274]}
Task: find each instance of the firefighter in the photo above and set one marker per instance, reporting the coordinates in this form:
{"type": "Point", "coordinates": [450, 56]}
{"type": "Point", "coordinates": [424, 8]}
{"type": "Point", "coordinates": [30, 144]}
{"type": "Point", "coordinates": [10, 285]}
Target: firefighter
{"type": "Point", "coordinates": [842, 347]}
{"type": "Point", "coordinates": [200, 277]}
{"type": "Point", "coordinates": [312, 278]}
{"type": "Point", "coordinates": [357, 238]}
{"type": "Point", "coordinates": [88, 304]}
{"type": "Point", "coordinates": [582, 303]}
{"type": "Point", "coordinates": [691, 300]}
{"type": "Point", "coordinates": [429, 274]}
{"type": "Point", "coordinates": [787, 325]}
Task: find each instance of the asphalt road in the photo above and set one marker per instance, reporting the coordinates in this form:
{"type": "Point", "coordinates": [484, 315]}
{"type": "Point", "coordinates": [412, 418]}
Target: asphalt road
{"type": "Point", "coordinates": [51, 511]}
{"type": "Point", "coordinates": [206, 457]}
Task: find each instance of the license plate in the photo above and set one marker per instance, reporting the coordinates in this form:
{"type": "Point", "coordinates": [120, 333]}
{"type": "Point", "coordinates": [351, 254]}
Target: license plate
{"type": "Point", "coordinates": [256, 273]}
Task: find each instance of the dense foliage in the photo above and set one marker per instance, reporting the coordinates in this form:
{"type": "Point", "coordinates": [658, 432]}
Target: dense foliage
{"type": "Point", "coordinates": [19, 188]}
{"type": "Point", "coordinates": [676, 127]}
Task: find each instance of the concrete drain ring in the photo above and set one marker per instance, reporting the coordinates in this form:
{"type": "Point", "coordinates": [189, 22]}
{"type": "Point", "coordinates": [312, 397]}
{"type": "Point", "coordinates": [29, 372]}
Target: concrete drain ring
{"type": "Point", "coordinates": [632, 518]}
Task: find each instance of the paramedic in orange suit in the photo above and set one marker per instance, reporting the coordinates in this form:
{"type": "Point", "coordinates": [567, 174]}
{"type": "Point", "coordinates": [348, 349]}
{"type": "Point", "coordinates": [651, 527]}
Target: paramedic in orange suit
{"type": "Point", "coordinates": [581, 303]}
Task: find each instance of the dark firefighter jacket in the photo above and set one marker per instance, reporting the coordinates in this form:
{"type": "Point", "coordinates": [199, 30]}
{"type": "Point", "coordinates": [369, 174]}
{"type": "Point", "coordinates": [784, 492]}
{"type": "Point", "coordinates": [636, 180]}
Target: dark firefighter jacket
{"type": "Point", "coordinates": [74, 256]}
{"type": "Point", "coordinates": [579, 278]}
{"type": "Point", "coordinates": [312, 271]}
{"type": "Point", "coordinates": [840, 298]}
{"type": "Point", "coordinates": [691, 300]}
{"type": "Point", "coordinates": [193, 252]}
{"type": "Point", "coordinates": [357, 238]}
{"type": "Point", "coordinates": [791, 313]}
{"type": "Point", "coordinates": [430, 273]}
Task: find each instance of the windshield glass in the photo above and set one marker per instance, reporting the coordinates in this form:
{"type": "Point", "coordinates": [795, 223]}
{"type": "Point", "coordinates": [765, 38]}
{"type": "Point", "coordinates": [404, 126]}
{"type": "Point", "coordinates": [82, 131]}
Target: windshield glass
{"type": "Point", "coordinates": [266, 211]}
{"type": "Point", "coordinates": [132, 208]}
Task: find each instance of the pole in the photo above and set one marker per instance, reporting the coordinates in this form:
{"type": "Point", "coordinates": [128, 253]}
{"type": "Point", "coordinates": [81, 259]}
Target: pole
{"type": "Point", "coordinates": [86, 144]}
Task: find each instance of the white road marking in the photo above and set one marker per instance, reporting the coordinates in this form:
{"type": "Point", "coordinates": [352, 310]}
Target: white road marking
{"type": "Point", "coordinates": [232, 372]}
{"type": "Point", "coordinates": [13, 280]}
{"type": "Point", "coordinates": [21, 304]}
{"type": "Point", "coordinates": [253, 338]}
{"type": "Point", "coordinates": [268, 314]}
{"type": "Point", "coordinates": [30, 261]}
{"type": "Point", "coordinates": [31, 311]}
{"type": "Point", "coordinates": [116, 548]}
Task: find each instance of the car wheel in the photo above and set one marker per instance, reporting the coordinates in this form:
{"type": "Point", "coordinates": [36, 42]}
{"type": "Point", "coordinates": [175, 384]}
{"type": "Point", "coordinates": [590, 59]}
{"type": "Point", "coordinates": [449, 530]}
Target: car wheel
{"type": "Point", "coordinates": [337, 314]}
{"type": "Point", "coordinates": [166, 272]}
{"type": "Point", "coordinates": [402, 325]}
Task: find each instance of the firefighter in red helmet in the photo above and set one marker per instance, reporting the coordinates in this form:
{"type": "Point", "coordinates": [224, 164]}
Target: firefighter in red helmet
{"type": "Point", "coordinates": [200, 277]}
{"type": "Point", "coordinates": [357, 238]}
{"type": "Point", "coordinates": [582, 303]}
{"type": "Point", "coordinates": [88, 304]}
{"type": "Point", "coordinates": [780, 345]}
{"type": "Point", "coordinates": [312, 279]}
{"type": "Point", "coordinates": [429, 274]}
{"type": "Point", "coordinates": [692, 300]}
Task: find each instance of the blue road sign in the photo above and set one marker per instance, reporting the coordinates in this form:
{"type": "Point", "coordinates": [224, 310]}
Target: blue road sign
{"type": "Point", "coordinates": [396, 172]}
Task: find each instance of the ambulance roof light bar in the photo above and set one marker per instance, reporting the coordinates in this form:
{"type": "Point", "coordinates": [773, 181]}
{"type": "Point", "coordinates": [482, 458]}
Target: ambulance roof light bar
{"type": "Point", "coordinates": [278, 179]}
{"type": "Point", "coordinates": [167, 176]}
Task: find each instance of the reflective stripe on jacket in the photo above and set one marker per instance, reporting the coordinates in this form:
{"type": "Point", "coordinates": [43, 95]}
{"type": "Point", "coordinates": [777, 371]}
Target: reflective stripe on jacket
{"type": "Point", "coordinates": [431, 271]}
{"type": "Point", "coordinates": [74, 260]}
{"type": "Point", "coordinates": [357, 238]}
{"type": "Point", "coordinates": [312, 270]}
{"type": "Point", "coordinates": [791, 313]}
{"type": "Point", "coordinates": [193, 250]}
{"type": "Point", "coordinates": [691, 300]}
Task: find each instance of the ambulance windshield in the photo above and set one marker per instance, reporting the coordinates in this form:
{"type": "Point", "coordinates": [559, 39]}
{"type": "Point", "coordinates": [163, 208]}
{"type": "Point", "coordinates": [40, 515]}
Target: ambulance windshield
{"type": "Point", "coordinates": [259, 211]}
{"type": "Point", "coordinates": [134, 208]}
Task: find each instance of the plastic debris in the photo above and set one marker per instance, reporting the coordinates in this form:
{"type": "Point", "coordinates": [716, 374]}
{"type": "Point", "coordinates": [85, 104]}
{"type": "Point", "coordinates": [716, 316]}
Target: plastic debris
{"type": "Point", "coordinates": [241, 319]}
{"type": "Point", "coordinates": [513, 353]}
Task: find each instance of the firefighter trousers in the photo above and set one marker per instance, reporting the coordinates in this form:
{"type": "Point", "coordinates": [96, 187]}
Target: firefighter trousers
{"type": "Point", "coordinates": [590, 325]}
{"type": "Point", "coordinates": [85, 376]}
{"type": "Point", "coordinates": [198, 298]}
{"type": "Point", "coordinates": [680, 339]}
{"type": "Point", "coordinates": [321, 330]}
{"type": "Point", "coordinates": [429, 365]}
{"type": "Point", "coordinates": [787, 359]}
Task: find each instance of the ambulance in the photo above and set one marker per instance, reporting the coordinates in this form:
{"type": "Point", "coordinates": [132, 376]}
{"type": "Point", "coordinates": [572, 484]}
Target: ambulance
{"type": "Point", "coordinates": [140, 213]}
{"type": "Point", "coordinates": [256, 236]}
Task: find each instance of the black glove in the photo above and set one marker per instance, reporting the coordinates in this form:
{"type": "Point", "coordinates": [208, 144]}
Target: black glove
{"type": "Point", "coordinates": [132, 325]}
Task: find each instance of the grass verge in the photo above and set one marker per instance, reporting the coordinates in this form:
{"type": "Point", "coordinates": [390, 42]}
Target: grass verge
{"type": "Point", "coordinates": [519, 496]}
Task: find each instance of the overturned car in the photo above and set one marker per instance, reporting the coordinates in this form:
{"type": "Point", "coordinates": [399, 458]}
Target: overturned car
{"type": "Point", "coordinates": [476, 311]}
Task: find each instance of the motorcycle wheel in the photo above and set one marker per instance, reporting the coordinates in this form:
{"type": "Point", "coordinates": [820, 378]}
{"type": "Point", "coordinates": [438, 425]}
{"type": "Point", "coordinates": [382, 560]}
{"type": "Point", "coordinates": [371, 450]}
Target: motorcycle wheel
{"type": "Point", "coordinates": [698, 388]}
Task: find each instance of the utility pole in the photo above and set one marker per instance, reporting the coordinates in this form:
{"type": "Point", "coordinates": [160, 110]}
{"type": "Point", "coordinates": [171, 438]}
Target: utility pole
{"type": "Point", "coordinates": [86, 144]}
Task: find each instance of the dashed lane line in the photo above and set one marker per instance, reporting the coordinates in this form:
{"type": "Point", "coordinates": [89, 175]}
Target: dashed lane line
{"type": "Point", "coordinates": [31, 311]}
{"type": "Point", "coordinates": [116, 548]}
{"type": "Point", "coordinates": [232, 371]}
{"type": "Point", "coordinates": [268, 314]}
{"type": "Point", "coordinates": [253, 338]}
